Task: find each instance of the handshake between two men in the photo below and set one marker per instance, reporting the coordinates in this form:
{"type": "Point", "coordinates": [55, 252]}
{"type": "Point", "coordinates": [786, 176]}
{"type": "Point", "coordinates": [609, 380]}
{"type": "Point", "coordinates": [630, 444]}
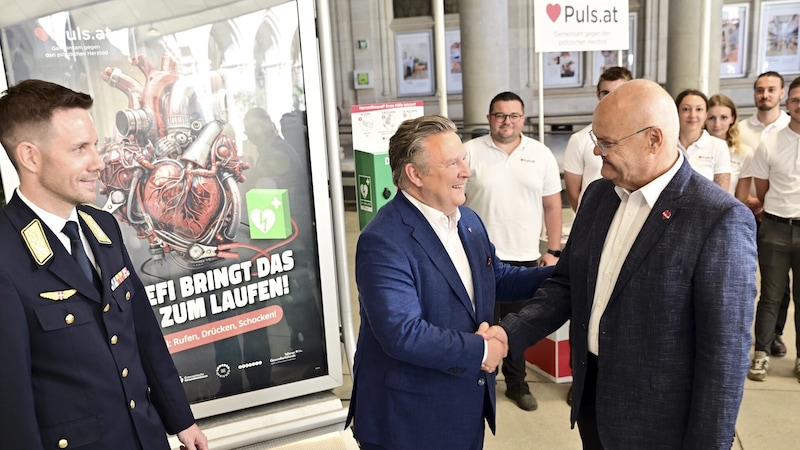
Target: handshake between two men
{"type": "Point", "coordinates": [497, 345]}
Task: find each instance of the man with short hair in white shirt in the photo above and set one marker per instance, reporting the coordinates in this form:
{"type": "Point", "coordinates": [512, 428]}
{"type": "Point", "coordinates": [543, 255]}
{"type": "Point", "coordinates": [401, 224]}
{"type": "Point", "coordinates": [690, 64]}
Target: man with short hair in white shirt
{"type": "Point", "coordinates": [768, 90]}
{"type": "Point", "coordinates": [776, 174]}
{"type": "Point", "coordinates": [581, 165]}
{"type": "Point", "coordinates": [515, 184]}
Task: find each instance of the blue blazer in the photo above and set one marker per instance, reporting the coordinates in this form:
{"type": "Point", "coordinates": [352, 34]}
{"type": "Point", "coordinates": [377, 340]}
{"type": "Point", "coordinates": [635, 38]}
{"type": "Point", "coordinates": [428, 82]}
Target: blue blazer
{"type": "Point", "coordinates": [417, 377]}
{"type": "Point", "coordinates": [675, 337]}
{"type": "Point", "coordinates": [83, 366]}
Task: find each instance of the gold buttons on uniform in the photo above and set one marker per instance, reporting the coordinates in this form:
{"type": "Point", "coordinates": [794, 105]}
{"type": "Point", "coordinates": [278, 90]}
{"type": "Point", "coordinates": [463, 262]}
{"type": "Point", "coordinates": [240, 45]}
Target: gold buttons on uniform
{"type": "Point", "coordinates": [63, 443]}
{"type": "Point", "coordinates": [128, 295]}
{"type": "Point", "coordinates": [124, 372]}
{"type": "Point", "coordinates": [107, 307]}
{"type": "Point", "coordinates": [69, 319]}
{"type": "Point", "coordinates": [133, 404]}
{"type": "Point", "coordinates": [114, 339]}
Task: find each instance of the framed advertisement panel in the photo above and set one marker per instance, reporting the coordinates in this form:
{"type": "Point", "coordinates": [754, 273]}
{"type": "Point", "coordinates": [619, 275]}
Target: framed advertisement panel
{"type": "Point", "coordinates": [452, 43]}
{"type": "Point", "coordinates": [608, 58]}
{"type": "Point", "coordinates": [778, 37]}
{"type": "Point", "coordinates": [414, 52]}
{"type": "Point", "coordinates": [562, 69]}
{"type": "Point", "coordinates": [212, 135]}
{"type": "Point", "coordinates": [734, 30]}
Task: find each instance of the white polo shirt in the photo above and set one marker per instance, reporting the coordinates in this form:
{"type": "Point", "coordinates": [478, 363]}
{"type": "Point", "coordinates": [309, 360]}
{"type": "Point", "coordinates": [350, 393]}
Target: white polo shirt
{"type": "Point", "coordinates": [507, 190]}
{"type": "Point", "coordinates": [751, 131]}
{"type": "Point", "coordinates": [708, 155]}
{"type": "Point", "coordinates": [579, 159]}
{"type": "Point", "coordinates": [740, 163]}
{"type": "Point", "coordinates": [777, 159]}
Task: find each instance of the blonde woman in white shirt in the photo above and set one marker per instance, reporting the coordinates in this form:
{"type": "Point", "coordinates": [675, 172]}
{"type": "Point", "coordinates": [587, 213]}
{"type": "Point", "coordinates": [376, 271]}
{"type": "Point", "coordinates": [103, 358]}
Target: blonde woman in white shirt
{"type": "Point", "coordinates": [722, 122]}
{"type": "Point", "coordinates": [706, 154]}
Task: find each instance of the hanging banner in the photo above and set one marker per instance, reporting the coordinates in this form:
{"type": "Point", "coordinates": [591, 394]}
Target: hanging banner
{"type": "Point", "coordinates": [212, 136]}
{"type": "Point", "coordinates": [580, 25]}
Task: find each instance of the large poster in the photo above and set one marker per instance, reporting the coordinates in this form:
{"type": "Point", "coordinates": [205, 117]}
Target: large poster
{"type": "Point", "coordinates": [780, 33]}
{"type": "Point", "coordinates": [209, 168]}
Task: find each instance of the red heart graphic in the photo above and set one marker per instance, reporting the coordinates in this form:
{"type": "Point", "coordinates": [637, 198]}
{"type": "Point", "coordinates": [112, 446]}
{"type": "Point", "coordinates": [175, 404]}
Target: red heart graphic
{"type": "Point", "coordinates": [41, 34]}
{"type": "Point", "coordinates": [553, 11]}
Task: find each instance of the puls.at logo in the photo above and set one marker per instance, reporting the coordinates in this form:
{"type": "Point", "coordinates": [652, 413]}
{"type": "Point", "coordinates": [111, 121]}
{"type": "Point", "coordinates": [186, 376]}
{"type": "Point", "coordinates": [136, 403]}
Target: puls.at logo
{"type": "Point", "coordinates": [585, 14]}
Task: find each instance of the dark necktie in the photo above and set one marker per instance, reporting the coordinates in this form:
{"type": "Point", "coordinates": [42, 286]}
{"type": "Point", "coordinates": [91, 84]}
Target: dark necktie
{"type": "Point", "coordinates": [78, 254]}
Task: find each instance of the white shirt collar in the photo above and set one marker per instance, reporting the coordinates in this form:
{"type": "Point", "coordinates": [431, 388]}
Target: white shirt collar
{"type": "Point", "coordinates": [652, 190]}
{"type": "Point", "coordinates": [432, 215]}
{"type": "Point", "coordinates": [54, 222]}
{"type": "Point", "coordinates": [701, 142]}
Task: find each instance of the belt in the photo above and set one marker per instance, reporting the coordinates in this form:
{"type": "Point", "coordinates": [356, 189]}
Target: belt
{"type": "Point", "coordinates": [775, 218]}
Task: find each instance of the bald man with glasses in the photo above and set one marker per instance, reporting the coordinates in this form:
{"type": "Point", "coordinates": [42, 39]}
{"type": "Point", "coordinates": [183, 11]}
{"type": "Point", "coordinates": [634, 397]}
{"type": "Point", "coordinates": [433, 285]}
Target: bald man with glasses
{"type": "Point", "coordinates": [658, 281]}
{"type": "Point", "coordinates": [515, 186]}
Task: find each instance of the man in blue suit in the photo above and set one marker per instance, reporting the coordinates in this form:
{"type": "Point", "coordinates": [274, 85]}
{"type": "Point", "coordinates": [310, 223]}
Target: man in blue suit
{"type": "Point", "coordinates": [658, 279]}
{"type": "Point", "coordinates": [428, 278]}
{"type": "Point", "coordinates": [85, 363]}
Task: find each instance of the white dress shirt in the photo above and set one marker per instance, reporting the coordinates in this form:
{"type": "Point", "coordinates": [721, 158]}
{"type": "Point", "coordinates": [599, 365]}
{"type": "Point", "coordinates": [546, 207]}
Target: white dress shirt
{"type": "Point", "coordinates": [625, 227]}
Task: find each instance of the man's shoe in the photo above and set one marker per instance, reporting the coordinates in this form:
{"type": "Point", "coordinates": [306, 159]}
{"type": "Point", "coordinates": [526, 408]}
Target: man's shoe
{"type": "Point", "coordinates": [759, 366]}
{"type": "Point", "coordinates": [778, 348]}
{"type": "Point", "coordinates": [521, 395]}
{"type": "Point", "coordinates": [797, 369]}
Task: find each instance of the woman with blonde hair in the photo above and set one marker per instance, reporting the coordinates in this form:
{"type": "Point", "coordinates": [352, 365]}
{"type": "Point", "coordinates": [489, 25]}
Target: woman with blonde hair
{"type": "Point", "coordinates": [722, 122]}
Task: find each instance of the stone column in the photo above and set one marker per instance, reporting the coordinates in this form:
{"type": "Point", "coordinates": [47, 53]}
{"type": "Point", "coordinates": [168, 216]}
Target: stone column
{"type": "Point", "coordinates": [485, 57]}
{"type": "Point", "coordinates": [694, 45]}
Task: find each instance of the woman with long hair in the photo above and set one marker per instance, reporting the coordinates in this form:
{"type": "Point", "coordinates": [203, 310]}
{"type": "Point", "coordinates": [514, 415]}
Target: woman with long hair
{"type": "Point", "coordinates": [722, 122]}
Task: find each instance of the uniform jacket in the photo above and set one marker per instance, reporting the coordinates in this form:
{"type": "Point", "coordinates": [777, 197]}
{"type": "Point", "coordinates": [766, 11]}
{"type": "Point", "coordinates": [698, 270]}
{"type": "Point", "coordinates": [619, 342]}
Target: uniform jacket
{"type": "Point", "coordinates": [82, 368]}
{"type": "Point", "coordinates": [674, 339]}
{"type": "Point", "coordinates": [417, 377]}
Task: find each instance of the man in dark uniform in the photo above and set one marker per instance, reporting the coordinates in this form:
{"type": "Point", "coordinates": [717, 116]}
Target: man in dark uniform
{"type": "Point", "coordinates": [85, 363]}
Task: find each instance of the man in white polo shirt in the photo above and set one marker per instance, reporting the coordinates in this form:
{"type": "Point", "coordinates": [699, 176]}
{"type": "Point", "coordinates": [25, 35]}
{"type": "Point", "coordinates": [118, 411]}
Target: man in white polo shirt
{"type": "Point", "coordinates": [768, 91]}
{"type": "Point", "coordinates": [776, 174]}
{"type": "Point", "coordinates": [515, 185]}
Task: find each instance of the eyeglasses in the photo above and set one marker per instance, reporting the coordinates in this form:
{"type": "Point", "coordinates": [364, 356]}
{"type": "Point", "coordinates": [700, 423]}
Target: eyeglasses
{"type": "Point", "coordinates": [500, 117]}
{"type": "Point", "coordinates": [605, 145]}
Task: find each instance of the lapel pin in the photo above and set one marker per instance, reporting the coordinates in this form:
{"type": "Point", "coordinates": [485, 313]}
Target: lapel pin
{"type": "Point", "coordinates": [489, 261]}
{"type": "Point", "coordinates": [666, 214]}
{"type": "Point", "coordinates": [469, 229]}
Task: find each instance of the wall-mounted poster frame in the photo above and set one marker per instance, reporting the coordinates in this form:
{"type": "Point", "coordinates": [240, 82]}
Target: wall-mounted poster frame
{"type": "Point", "coordinates": [235, 250]}
{"type": "Point", "coordinates": [452, 43]}
{"type": "Point", "coordinates": [778, 37]}
{"type": "Point", "coordinates": [608, 58]}
{"type": "Point", "coordinates": [562, 69]}
{"type": "Point", "coordinates": [414, 51]}
{"type": "Point", "coordinates": [734, 29]}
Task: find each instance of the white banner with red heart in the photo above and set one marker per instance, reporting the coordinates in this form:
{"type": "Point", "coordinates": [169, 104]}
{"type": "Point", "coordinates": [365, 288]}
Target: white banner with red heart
{"type": "Point", "coordinates": [580, 25]}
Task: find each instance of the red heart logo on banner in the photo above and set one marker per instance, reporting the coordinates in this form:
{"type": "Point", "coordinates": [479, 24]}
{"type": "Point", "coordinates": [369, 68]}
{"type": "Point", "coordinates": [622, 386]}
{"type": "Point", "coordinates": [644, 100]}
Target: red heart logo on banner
{"type": "Point", "coordinates": [41, 34]}
{"type": "Point", "coordinates": [553, 11]}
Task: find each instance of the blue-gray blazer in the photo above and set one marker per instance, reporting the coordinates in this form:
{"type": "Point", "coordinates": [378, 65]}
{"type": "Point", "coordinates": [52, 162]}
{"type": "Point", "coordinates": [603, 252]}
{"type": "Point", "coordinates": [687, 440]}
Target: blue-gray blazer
{"type": "Point", "coordinates": [417, 378]}
{"type": "Point", "coordinates": [675, 337]}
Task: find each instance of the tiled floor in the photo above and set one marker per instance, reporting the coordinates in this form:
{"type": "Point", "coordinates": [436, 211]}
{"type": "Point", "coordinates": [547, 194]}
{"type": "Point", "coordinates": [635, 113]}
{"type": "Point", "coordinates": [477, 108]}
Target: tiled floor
{"type": "Point", "coordinates": [768, 420]}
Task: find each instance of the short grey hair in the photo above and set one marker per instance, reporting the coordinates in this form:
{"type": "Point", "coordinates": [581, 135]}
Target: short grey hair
{"type": "Point", "coordinates": [407, 143]}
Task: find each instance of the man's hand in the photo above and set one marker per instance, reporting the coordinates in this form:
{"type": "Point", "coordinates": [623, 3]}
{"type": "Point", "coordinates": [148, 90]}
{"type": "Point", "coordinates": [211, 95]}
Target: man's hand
{"type": "Point", "coordinates": [548, 260]}
{"type": "Point", "coordinates": [193, 439]}
{"type": "Point", "coordinates": [497, 344]}
{"type": "Point", "coordinates": [482, 328]}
